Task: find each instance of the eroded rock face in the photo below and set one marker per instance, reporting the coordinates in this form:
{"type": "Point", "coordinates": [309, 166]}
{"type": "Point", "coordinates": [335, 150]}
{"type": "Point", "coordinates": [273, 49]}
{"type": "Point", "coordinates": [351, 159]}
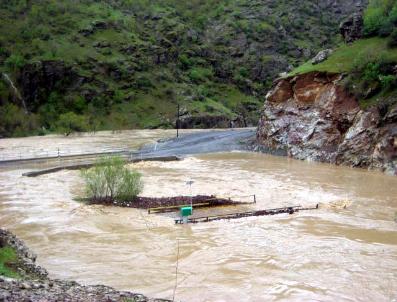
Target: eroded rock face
{"type": "Point", "coordinates": [351, 29]}
{"type": "Point", "coordinates": [312, 117]}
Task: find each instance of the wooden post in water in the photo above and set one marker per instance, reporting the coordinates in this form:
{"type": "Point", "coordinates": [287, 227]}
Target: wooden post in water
{"type": "Point", "coordinates": [177, 123]}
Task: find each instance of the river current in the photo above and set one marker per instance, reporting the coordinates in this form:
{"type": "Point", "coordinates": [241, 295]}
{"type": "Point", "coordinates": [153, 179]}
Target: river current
{"type": "Point", "coordinates": [344, 251]}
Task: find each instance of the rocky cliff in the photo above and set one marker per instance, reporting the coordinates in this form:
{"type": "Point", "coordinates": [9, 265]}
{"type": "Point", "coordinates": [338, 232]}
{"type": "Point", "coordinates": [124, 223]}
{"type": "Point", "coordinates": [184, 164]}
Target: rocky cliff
{"type": "Point", "coordinates": [312, 117]}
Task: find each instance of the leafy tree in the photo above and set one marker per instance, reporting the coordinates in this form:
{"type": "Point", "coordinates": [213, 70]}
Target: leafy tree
{"type": "Point", "coordinates": [110, 180]}
{"type": "Point", "coordinates": [15, 62]}
{"type": "Point", "coordinates": [15, 122]}
{"type": "Point", "coordinates": [71, 122]}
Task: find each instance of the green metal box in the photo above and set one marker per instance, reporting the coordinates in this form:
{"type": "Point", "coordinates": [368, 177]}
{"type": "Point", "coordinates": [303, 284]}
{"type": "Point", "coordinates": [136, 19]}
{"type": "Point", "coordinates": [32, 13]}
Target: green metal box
{"type": "Point", "coordinates": [186, 211]}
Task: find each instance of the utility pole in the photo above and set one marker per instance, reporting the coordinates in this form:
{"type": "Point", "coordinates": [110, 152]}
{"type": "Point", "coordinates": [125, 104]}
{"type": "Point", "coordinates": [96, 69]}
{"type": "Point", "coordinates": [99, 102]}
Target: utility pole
{"type": "Point", "coordinates": [177, 123]}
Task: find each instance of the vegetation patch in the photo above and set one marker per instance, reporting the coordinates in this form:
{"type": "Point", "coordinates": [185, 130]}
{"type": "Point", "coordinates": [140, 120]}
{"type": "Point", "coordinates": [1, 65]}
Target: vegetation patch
{"type": "Point", "coordinates": [111, 181]}
{"type": "Point", "coordinates": [8, 260]}
{"type": "Point", "coordinates": [93, 65]}
{"type": "Point", "coordinates": [345, 58]}
{"type": "Point", "coordinates": [369, 63]}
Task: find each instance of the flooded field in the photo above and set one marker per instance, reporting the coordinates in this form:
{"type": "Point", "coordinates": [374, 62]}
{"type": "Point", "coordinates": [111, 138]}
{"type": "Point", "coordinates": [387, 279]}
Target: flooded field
{"type": "Point", "coordinates": [331, 254]}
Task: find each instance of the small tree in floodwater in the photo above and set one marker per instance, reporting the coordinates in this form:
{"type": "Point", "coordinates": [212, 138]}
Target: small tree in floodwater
{"type": "Point", "coordinates": [110, 180]}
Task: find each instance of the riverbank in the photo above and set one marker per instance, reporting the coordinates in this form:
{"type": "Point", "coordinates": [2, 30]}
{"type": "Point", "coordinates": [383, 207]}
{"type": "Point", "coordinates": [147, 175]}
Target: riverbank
{"type": "Point", "coordinates": [30, 282]}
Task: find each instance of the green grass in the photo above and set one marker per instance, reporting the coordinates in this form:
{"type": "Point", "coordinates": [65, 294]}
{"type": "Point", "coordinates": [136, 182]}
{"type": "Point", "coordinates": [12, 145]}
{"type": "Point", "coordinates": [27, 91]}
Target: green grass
{"type": "Point", "coordinates": [7, 256]}
{"type": "Point", "coordinates": [343, 58]}
{"type": "Point", "coordinates": [390, 96]}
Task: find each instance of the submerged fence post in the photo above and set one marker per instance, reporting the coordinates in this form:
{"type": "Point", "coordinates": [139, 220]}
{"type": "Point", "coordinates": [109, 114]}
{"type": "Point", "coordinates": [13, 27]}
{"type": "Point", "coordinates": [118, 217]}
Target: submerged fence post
{"type": "Point", "coordinates": [177, 123]}
{"type": "Point", "coordinates": [254, 198]}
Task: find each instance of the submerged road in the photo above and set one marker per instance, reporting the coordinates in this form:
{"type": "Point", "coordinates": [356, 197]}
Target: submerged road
{"type": "Point", "coordinates": [202, 142]}
{"type": "Point", "coordinates": [194, 142]}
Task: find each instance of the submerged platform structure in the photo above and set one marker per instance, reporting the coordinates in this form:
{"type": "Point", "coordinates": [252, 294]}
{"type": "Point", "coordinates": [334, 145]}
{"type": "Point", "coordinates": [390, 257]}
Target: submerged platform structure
{"type": "Point", "coordinates": [285, 210]}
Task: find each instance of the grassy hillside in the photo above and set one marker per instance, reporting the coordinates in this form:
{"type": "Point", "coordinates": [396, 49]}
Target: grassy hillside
{"type": "Point", "coordinates": [345, 58]}
{"type": "Point", "coordinates": [91, 65]}
{"type": "Point", "coordinates": [369, 63]}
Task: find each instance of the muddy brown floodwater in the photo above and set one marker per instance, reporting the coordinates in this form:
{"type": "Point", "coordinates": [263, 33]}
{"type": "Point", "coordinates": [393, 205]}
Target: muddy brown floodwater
{"type": "Point", "coordinates": [331, 254]}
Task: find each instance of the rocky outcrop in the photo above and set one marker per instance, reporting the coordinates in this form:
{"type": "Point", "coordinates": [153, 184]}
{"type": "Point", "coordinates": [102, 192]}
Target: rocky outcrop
{"type": "Point", "coordinates": [351, 29]}
{"type": "Point", "coordinates": [321, 56]}
{"type": "Point", "coordinates": [96, 26]}
{"type": "Point", "coordinates": [59, 290]}
{"type": "Point", "coordinates": [211, 121]}
{"type": "Point", "coordinates": [26, 266]}
{"type": "Point", "coordinates": [312, 117]}
{"type": "Point", "coordinates": [36, 286]}
{"type": "Point", "coordinates": [39, 79]}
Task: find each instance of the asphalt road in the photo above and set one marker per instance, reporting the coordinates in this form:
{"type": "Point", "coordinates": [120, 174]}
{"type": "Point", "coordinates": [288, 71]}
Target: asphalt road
{"type": "Point", "coordinates": [202, 142]}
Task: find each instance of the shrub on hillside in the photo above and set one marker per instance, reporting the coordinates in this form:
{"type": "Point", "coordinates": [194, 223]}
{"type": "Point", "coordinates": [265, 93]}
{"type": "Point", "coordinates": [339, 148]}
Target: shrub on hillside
{"type": "Point", "coordinates": [372, 74]}
{"type": "Point", "coordinates": [15, 122]}
{"type": "Point", "coordinates": [388, 81]}
{"type": "Point", "coordinates": [200, 74]}
{"type": "Point", "coordinates": [110, 180]}
{"type": "Point", "coordinates": [380, 18]}
{"type": "Point", "coordinates": [393, 39]}
{"type": "Point", "coordinates": [71, 122]}
{"type": "Point", "coordinates": [15, 62]}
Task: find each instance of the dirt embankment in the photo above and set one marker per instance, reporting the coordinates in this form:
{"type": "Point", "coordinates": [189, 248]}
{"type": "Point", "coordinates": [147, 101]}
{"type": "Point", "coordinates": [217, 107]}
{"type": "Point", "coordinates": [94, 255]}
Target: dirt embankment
{"type": "Point", "coordinates": [312, 117]}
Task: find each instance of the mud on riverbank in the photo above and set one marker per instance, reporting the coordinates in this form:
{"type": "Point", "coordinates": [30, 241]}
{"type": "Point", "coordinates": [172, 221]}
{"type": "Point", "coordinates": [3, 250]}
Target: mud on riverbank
{"type": "Point", "coordinates": [155, 202]}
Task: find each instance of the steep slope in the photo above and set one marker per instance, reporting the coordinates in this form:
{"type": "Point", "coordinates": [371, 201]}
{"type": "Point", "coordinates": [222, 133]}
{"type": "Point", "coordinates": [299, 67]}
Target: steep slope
{"type": "Point", "coordinates": [121, 64]}
{"type": "Point", "coordinates": [342, 110]}
{"type": "Point", "coordinates": [312, 117]}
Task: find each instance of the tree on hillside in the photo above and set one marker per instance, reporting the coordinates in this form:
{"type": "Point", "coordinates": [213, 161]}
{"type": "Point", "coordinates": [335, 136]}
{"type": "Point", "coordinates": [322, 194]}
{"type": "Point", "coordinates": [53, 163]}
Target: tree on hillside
{"type": "Point", "coordinates": [70, 122]}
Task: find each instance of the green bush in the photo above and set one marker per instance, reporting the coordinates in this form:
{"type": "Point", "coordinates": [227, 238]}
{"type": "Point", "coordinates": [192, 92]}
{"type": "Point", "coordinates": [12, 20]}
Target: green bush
{"type": "Point", "coordinates": [373, 20]}
{"type": "Point", "coordinates": [388, 81]}
{"type": "Point", "coordinates": [185, 61]}
{"type": "Point", "coordinates": [372, 74]}
{"type": "Point", "coordinates": [71, 122]}
{"type": "Point", "coordinates": [380, 17]}
{"type": "Point", "coordinates": [393, 39]}
{"type": "Point", "coordinates": [110, 180]}
{"type": "Point", "coordinates": [15, 62]}
{"type": "Point", "coordinates": [15, 122]}
{"type": "Point", "coordinates": [7, 256]}
{"type": "Point", "coordinates": [200, 74]}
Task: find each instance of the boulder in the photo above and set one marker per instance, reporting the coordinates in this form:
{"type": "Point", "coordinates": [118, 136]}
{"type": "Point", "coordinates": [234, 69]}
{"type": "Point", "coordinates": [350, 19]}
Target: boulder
{"type": "Point", "coordinates": [321, 56]}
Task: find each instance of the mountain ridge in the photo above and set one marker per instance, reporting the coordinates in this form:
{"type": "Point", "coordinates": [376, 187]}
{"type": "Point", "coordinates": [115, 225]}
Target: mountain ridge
{"type": "Point", "coordinates": [127, 64]}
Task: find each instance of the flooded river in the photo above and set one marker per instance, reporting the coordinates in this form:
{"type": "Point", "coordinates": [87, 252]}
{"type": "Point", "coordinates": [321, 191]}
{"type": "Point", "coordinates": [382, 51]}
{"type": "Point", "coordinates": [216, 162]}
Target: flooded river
{"type": "Point", "coordinates": [330, 254]}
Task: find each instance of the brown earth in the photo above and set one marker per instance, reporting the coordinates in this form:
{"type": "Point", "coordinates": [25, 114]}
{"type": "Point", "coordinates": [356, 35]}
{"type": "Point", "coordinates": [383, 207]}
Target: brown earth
{"type": "Point", "coordinates": [155, 202]}
{"type": "Point", "coordinates": [313, 117]}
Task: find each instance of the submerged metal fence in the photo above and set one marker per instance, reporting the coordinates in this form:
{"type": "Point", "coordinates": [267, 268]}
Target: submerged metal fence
{"type": "Point", "coordinates": [54, 153]}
